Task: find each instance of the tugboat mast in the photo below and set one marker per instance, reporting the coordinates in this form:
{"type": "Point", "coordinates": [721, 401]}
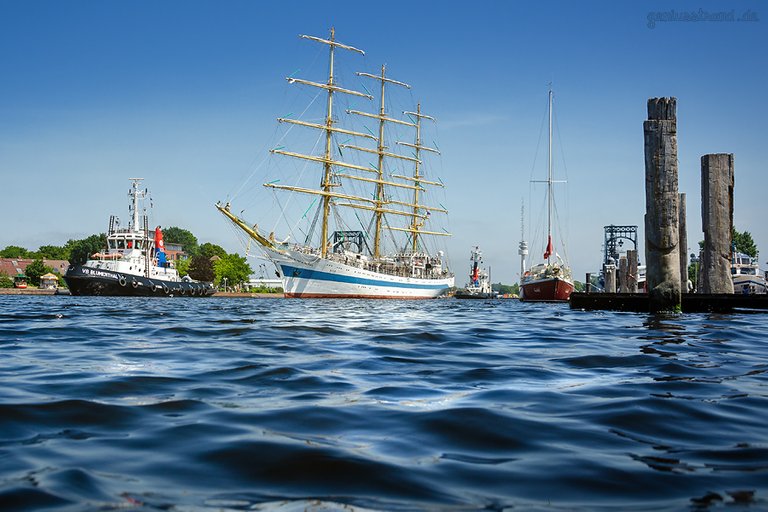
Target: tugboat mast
{"type": "Point", "coordinates": [135, 194]}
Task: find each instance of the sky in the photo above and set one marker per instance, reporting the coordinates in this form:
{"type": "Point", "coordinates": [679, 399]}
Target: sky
{"type": "Point", "coordinates": [185, 94]}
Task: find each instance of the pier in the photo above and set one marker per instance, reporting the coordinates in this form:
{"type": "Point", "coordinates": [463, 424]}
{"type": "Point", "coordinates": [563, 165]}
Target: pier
{"type": "Point", "coordinates": [690, 302]}
{"type": "Point", "coordinates": [666, 236]}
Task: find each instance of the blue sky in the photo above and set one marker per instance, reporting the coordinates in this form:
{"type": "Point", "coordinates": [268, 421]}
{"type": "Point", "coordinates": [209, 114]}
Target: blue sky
{"type": "Point", "coordinates": [185, 93]}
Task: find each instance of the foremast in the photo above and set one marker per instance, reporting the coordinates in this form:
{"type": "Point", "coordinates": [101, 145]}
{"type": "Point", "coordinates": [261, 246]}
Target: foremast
{"type": "Point", "coordinates": [327, 183]}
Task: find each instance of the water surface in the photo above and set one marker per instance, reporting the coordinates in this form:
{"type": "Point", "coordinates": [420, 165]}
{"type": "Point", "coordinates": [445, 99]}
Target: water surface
{"type": "Point", "coordinates": [249, 404]}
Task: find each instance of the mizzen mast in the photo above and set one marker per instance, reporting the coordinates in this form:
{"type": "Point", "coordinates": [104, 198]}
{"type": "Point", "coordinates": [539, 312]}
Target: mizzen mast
{"type": "Point", "coordinates": [416, 223]}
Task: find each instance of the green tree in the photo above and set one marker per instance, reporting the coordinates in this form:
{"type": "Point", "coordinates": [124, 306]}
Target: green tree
{"type": "Point", "coordinates": [506, 288]}
{"type": "Point", "coordinates": [5, 281]}
{"type": "Point", "coordinates": [81, 250]}
{"type": "Point", "coordinates": [14, 251]}
{"type": "Point", "coordinates": [234, 268]}
{"type": "Point", "coordinates": [182, 267]}
{"type": "Point", "coordinates": [52, 252]}
{"type": "Point", "coordinates": [210, 250]}
{"type": "Point", "coordinates": [36, 269]}
{"type": "Point", "coordinates": [693, 272]}
{"type": "Point", "coordinates": [183, 237]}
{"type": "Point", "coordinates": [744, 243]}
{"type": "Point", "coordinates": [201, 269]}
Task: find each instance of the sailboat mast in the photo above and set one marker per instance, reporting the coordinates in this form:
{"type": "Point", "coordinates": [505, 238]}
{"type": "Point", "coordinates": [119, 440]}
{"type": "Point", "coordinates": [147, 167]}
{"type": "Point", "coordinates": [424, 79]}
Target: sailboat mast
{"type": "Point", "coordinates": [415, 224]}
{"type": "Point", "coordinates": [549, 179]}
{"type": "Point", "coordinates": [327, 170]}
{"type": "Point", "coordinates": [380, 185]}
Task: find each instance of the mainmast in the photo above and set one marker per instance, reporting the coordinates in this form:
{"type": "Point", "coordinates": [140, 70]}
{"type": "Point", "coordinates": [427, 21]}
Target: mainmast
{"type": "Point", "coordinates": [549, 181]}
{"type": "Point", "coordinates": [381, 151]}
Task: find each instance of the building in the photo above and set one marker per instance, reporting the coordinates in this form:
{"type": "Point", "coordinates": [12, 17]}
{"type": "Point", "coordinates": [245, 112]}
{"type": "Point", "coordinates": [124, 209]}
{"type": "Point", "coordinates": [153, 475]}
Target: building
{"type": "Point", "coordinates": [175, 252]}
{"type": "Point", "coordinates": [14, 266]}
{"type": "Point", "coordinates": [49, 281]}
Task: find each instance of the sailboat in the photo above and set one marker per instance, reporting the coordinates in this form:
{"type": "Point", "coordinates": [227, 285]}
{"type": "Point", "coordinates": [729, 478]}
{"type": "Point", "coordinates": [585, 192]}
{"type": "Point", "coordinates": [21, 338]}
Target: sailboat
{"type": "Point", "coordinates": [549, 280]}
{"type": "Point", "coordinates": [353, 263]}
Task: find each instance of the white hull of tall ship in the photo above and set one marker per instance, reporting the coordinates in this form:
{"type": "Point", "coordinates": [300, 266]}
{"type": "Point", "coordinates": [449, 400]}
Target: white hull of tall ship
{"type": "Point", "coordinates": [310, 276]}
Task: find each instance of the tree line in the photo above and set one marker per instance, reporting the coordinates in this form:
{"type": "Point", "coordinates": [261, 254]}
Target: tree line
{"type": "Point", "coordinates": [205, 262]}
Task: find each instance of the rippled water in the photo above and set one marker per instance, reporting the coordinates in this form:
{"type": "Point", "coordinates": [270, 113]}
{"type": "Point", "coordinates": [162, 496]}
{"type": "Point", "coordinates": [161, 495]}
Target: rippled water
{"type": "Point", "coordinates": [243, 404]}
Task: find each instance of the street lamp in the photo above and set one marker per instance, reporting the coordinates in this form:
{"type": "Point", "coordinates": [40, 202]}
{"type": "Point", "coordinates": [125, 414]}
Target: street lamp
{"type": "Point", "coordinates": [225, 284]}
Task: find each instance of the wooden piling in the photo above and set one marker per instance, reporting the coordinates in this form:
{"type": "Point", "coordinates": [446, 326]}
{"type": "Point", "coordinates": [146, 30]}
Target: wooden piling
{"type": "Point", "coordinates": [717, 180]}
{"type": "Point", "coordinates": [632, 270]}
{"type": "Point", "coordinates": [623, 275]}
{"type": "Point", "coordinates": [609, 273]}
{"type": "Point", "coordinates": [588, 283]}
{"type": "Point", "coordinates": [683, 237]}
{"type": "Point", "coordinates": [661, 206]}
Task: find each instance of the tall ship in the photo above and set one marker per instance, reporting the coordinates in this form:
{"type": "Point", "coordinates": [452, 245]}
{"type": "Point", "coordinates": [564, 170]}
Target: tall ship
{"type": "Point", "coordinates": [371, 225]}
{"type": "Point", "coordinates": [479, 285]}
{"type": "Point", "coordinates": [552, 279]}
{"type": "Point", "coordinates": [134, 261]}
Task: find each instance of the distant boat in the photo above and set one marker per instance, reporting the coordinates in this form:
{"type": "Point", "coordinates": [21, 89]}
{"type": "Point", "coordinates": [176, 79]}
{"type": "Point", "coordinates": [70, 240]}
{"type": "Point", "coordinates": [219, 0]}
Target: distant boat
{"type": "Point", "coordinates": [550, 280]}
{"type": "Point", "coordinates": [479, 285]}
{"type": "Point", "coordinates": [747, 278]}
{"type": "Point", "coordinates": [345, 262]}
{"type": "Point", "coordinates": [133, 263]}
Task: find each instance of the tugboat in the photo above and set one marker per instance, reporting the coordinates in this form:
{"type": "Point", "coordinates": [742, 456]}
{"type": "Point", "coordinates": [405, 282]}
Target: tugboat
{"type": "Point", "coordinates": [134, 262]}
{"type": "Point", "coordinates": [479, 286]}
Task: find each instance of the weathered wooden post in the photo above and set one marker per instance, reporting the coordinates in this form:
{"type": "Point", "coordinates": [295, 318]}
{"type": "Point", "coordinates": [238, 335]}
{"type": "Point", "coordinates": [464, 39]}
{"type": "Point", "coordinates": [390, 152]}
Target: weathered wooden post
{"type": "Point", "coordinates": [632, 270]}
{"type": "Point", "coordinates": [623, 275]}
{"type": "Point", "coordinates": [609, 272]}
{"type": "Point", "coordinates": [717, 182]}
{"type": "Point", "coordinates": [661, 206]}
{"type": "Point", "coordinates": [588, 283]}
{"type": "Point", "coordinates": [683, 236]}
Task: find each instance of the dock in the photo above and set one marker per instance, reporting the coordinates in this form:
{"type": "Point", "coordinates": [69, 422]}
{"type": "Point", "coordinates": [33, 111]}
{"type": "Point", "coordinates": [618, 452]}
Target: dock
{"type": "Point", "coordinates": [690, 303]}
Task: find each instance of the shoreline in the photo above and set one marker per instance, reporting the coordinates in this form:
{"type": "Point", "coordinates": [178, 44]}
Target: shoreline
{"type": "Point", "coordinates": [38, 291]}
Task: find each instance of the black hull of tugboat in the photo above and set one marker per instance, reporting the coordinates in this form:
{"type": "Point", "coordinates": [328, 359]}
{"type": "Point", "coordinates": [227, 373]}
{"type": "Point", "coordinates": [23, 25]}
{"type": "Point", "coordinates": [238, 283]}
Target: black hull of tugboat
{"type": "Point", "coordinates": [83, 280]}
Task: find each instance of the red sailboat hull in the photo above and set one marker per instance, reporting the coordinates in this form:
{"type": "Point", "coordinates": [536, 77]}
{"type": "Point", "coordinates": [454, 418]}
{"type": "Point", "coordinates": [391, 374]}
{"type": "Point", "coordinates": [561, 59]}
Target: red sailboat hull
{"type": "Point", "coordinates": [552, 289]}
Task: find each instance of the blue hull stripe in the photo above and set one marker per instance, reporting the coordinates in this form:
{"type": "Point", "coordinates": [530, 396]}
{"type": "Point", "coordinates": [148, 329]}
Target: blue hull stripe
{"type": "Point", "coordinates": [294, 272]}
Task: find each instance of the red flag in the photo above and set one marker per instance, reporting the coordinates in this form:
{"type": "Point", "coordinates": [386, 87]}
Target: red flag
{"type": "Point", "coordinates": [548, 252]}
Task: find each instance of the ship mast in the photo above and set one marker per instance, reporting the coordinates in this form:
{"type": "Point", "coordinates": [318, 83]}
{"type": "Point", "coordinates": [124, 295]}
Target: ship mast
{"type": "Point", "coordinates": [327, 183]}
{"type": "Point", "coordinates": [549, 180]}
{"type": "Point", "coordinates": [135, 194]}
{"type": "Point", "coordinates": [380, 195]}
{"type": "Point", "coordinates": [416, 224]}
